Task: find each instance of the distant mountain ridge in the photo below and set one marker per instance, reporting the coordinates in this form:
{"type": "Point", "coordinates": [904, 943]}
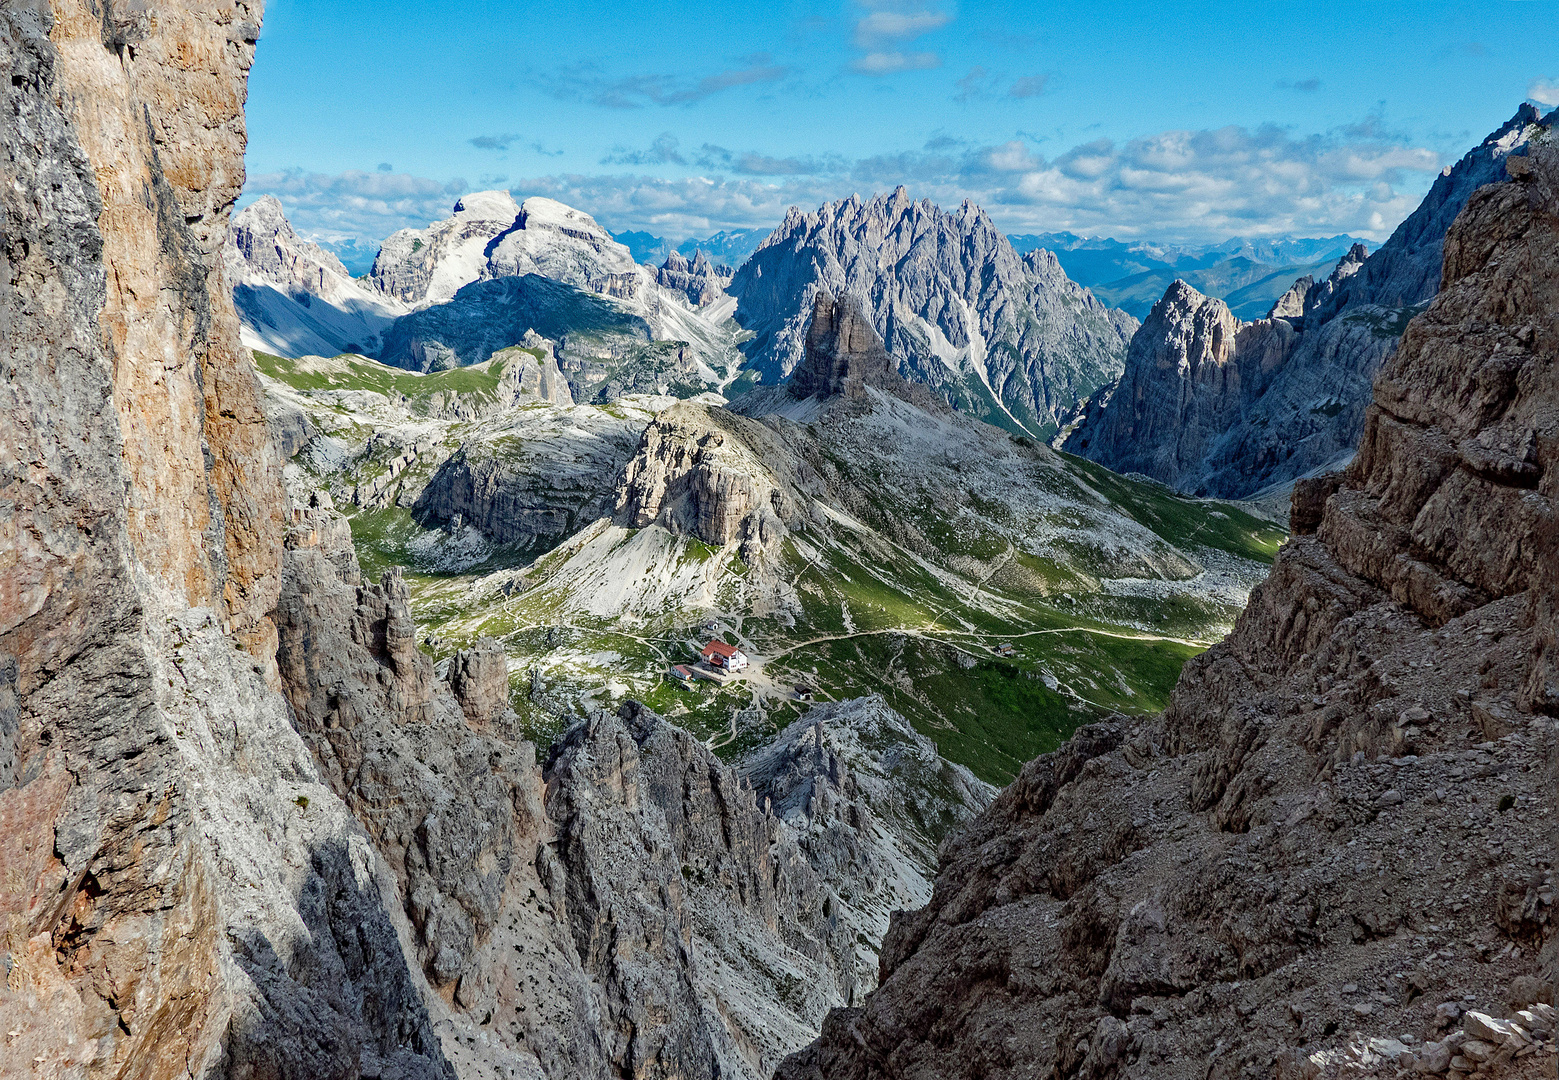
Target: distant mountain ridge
{"type": "Point", "coordinates": [470, 285]}
{"type": "Point", "coordinates": [725, 248]}
{"type": "Point", "coordinates": [1212, 406]}
{"type": "Point", "coordinates": [1007, 338]}
{"type": "Point", "coordinates": [294, 297]}
{"type": "Point", "coordinates": [1097, 260]}
{"type": "Point", "coordinates": [1248, 274]}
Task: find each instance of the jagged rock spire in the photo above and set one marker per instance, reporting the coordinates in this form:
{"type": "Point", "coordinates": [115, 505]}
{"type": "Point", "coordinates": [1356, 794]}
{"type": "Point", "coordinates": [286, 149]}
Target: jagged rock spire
{"type": "Point", "coordinates": [843, 352]}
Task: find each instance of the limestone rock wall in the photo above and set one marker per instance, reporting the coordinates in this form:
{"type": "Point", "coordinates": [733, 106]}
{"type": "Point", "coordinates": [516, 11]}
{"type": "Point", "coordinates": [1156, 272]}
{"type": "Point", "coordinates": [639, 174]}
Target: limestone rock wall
{"type": "Point", "coordinates": [1340, 835]}
{"type": "Point", "coordinates": [1191, 372]}
{"type": "Point", "coordinates": [173, 868]}
{"type": "Point", "coordinates": [248, 829]}
{"type": "Point", "coordinates": [711, 474]}
{"type": "Point", "coordinates": [1005, 338]}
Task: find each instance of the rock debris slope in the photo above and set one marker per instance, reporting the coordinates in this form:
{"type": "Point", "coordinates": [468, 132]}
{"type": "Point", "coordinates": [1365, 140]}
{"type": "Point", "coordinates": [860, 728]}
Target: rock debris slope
{"type": "Point", "coordinates": [1007, 338]}
{"type": "Point", "coordinates": [629, 906]}
{"type": "Point", "coordinates": [1341, 833]}
{"type": "Point", "coordinates": [1288, 398]}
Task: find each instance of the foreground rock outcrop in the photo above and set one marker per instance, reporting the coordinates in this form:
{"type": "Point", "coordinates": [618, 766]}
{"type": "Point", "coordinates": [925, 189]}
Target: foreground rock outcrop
{"type": "Point", "coordinates": [1341, 833]}
{"type": "Point", "coordinates": [1288, 398]}
{"type": "Point", "coordinates": [249, 830]}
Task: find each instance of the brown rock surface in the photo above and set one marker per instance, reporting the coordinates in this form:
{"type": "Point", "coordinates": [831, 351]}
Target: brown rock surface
{"type": "Point", "coordinates": [709, 473]}
{"type": "Point", "coordinates": [1342, 831]}
{"type": "Point", "coordinates": [1191, 371]}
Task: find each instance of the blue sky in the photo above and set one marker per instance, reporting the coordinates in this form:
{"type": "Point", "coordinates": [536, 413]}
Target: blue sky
{"type": "Point", "coordinates": [1137, 120]}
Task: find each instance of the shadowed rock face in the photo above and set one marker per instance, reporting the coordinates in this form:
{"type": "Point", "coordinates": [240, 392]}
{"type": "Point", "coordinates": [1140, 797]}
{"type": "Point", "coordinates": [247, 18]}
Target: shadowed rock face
{"type": "Point", "coordinates": [1316, 353]}
{"type": "Point", "coordinates": [843, 354]}
{"type": "Point", "coordinates": [1345, 817]}
{"type": "Point", "coordinates": [1191, 372]}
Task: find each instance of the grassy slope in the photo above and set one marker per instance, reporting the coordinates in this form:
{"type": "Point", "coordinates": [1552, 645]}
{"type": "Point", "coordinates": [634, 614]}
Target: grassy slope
{"type": "Point", "coordinates": [866, 615]}
{"type": "Point", "coordinates": [872, 619]}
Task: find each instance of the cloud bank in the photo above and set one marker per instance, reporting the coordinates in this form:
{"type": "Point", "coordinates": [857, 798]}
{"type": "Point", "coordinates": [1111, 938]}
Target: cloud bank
{"type": "Point", "coordinates": [1171, 186]}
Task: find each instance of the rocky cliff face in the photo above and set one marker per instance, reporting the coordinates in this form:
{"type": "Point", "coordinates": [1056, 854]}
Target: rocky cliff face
{"type": "Point", "coordinates": [869, 800]}
{"type": "Point", "coordinates": [532, 478]}
{"type": "Point", "coordinates": [627, 908]}
{"type": "Point", "coordinates": [1006, 338]}
{"type": "Point", "coordinates": [249, 830]}
{"type": "Point", "coordinates": [698, 279]}
{"type": "Point", "coordinates": [843, 353]}
{"type": "Point", "coordinates": [295, 298]}
{"type": "Point", "coordinates": [419, 267]}
{"type": "Point", "coordinates": [1191, 372]}
{"type": "Point", "coordinates": [704, 472]}
{"type": "Point", "coordinates": [143, 517]}
{"type": "Point", "coordinates": [1340, 834]}
{"type": "Point", "coordinates": [1308, 413]}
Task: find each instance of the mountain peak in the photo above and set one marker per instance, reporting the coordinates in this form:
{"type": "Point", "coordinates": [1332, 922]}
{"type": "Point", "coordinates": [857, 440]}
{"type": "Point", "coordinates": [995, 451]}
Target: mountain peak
{"type": "Point", "coordinates": [843, 352]}
{"type": "Point", "coordinates": [486, 206]}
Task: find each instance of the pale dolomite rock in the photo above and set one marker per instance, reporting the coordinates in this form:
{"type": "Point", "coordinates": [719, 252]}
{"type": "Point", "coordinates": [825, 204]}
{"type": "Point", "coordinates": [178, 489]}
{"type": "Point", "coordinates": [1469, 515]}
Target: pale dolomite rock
{"type": "Point", "coordinates": [419, 267]}
{"type": "Point", "coordinates": [295, 298]}
{"type": "Point", "coordinates": [480, 280]}
{"type": "Point", "coordinates": [701, 281]}
{"type": "Point", "coordinates": [1007, 338]}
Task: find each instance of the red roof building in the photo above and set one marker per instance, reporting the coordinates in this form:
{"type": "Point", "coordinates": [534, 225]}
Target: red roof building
{"type": "Point", "coordinates": [726, 657]}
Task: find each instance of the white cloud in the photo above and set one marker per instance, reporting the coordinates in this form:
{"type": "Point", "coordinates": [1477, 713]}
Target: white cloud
{"type": "Point", "coordinates": [1544, 92]}
{"type": "Point", "coordinates": [355, 203]}
{"type": "Point", "coordinates": [886, 28]}
{"type": "Point", "coordinates": [885, 63]}
{"type": "Point", "coordinates": [882, 26]}
{"type": "Point", "coordinates": [1170, 186]}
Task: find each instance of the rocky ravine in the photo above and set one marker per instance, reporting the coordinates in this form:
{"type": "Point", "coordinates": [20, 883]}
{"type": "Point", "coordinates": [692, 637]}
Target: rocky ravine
{"type": "Point", "coordinates": [1341, 833]}
{"type": "Point", "coordinates": [1007, 338]}
{"type": "Point", "coordinates": [248, 830]}
{"type": "Point", "coordinates": [1262, 403]}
